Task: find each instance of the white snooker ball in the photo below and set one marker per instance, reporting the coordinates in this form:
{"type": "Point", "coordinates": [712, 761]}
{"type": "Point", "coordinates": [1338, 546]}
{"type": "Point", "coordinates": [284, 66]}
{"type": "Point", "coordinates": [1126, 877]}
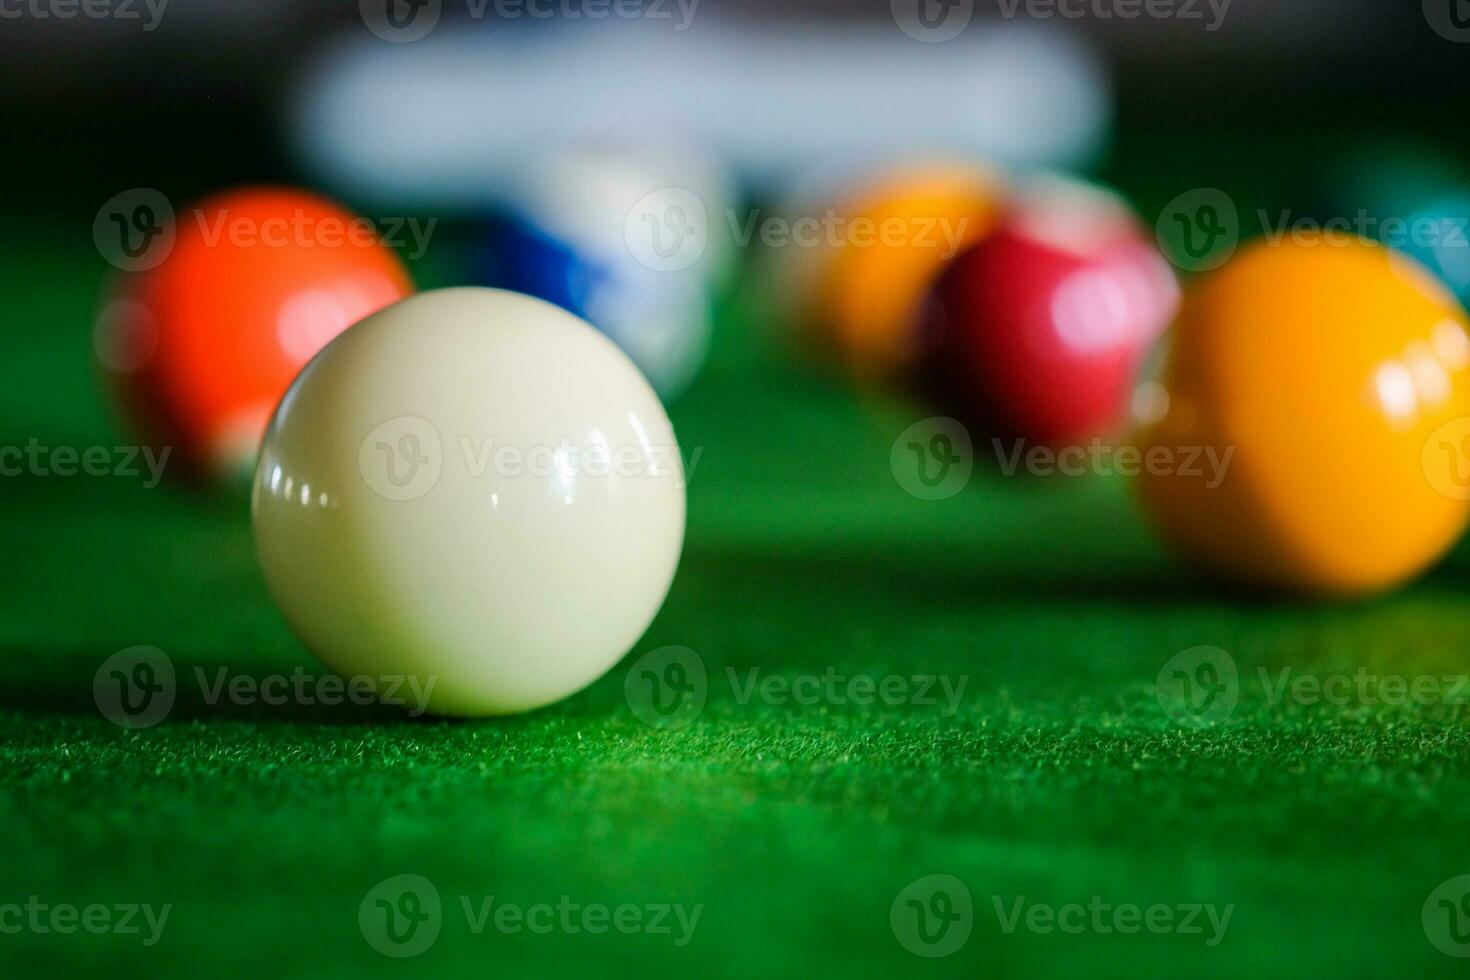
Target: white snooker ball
{"type": "Point", "coordinates": [472, 489]}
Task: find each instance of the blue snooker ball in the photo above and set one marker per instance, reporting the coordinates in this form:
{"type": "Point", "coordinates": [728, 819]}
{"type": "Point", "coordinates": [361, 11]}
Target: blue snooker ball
{"type": "Point", "coordinates": [1438, 235]}
{"type": "Point", "coordinates": [1408, 195]}
{"type": "Point", "coordinates": [524, 258]}
{"type": "Point", "coordinates": [661, 321]}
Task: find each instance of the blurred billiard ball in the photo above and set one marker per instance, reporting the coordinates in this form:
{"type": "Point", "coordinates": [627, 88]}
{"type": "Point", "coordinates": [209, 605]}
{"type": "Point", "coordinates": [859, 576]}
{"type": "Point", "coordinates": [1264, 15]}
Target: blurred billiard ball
{"type": "Point", "coordinates": [883, 242]}
{"type": "Point", "coordinates": [574, 236]}
{"type": "Point", "coordinates": [1332, 382]}
{"type": "Point", "coordinates": [199, 349]}
{"type": "Point", "coordinates": [1438, 235]}
{"type": "Point", "coordinates": [1383, 179]}
{"type": "Point", "coordinates": [1412, 197]}
{"type": "Point", "coordinates": [520, 256]}
{"type": "Point", "coordinates": [662, 321]}
{"type": "Point", "coordinates": [1037, 333]}
{"type": "Point", "coordinates": [500, 585]}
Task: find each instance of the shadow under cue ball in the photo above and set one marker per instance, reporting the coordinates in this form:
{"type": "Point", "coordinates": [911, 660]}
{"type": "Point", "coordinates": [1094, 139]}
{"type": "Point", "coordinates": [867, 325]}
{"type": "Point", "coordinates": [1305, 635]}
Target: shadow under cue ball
{"type": "Point", "coordinates": [476, 489]}
{"type": "Point", "coordinates": [1332, 386]}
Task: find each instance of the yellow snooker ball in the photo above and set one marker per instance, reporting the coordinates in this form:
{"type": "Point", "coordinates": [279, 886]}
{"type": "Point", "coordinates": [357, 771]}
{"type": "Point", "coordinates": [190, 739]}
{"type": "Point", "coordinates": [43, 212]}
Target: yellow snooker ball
{"type": "Point", "coordinates": [1330, 377]}
{"type": "Point", "coordinates": [895, 235]}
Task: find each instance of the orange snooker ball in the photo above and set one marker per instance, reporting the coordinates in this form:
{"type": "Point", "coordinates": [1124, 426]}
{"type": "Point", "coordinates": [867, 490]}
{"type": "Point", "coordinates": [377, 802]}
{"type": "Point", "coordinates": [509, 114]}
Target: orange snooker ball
{"type": "Point", "coordinates": [201, 347]}
{"type": "Point", "coordinates": [1327, 378]}
{"type": "Point", "coordinates": [892, 239]}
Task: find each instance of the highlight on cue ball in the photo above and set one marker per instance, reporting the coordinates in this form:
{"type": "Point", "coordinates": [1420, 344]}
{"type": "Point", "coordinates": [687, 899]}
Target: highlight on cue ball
{"type": "Point", "coordinates": [476, 489]}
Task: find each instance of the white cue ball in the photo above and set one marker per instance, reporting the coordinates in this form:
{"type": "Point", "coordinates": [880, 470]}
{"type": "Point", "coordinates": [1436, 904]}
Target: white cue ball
{"type": "Point", "coordinates": [472, 488]}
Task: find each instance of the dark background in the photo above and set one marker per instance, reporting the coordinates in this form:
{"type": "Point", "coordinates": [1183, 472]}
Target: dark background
{"type": "Point", "coordinates": [92, 106]}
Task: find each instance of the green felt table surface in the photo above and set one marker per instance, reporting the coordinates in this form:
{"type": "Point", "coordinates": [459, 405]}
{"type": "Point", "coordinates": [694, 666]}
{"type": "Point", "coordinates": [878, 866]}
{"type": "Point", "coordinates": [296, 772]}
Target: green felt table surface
{"type": "Point", "coordinates": [791, 829]}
